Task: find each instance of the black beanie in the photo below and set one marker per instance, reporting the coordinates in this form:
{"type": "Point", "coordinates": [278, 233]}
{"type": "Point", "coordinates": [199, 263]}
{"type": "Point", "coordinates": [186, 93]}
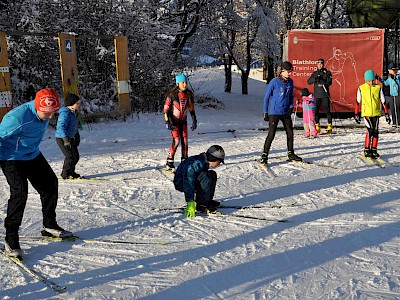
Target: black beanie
{"type": "Point", "coordinates": [305, 92]}
{"type": "Point", "coordinates": [71, 99]}
{"type": "Point", "coordinates": [287, 66]}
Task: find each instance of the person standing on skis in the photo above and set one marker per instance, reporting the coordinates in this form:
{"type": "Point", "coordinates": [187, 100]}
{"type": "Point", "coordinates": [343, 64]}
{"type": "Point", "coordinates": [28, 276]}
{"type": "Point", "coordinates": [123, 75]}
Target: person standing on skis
{"type": "Point", "coordinates": [308, 105]}
{"type": "Point", "coordinates": [179, 100]}
{"type": "Point", "coordinates": [194, 178]}
{"type": "Point", "coordinates": [322, 80]}
{"type": "Point", "coordinates": [369, 100]}
{"type": "Point", "coordinates": [278, 106]}
{"type": "Point", "coordinates": [67, 135]}
{"type": "Point", "coordinates": [21, 131]}
{"type": "Point", "coordinates": [393, 82]}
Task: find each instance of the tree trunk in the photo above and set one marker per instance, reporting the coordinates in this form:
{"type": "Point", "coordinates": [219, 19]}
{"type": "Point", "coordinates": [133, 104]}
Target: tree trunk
{"type": "Point", "coordinates": [245, 79]}
{"type": "Point", "coordinates": [228, 73]}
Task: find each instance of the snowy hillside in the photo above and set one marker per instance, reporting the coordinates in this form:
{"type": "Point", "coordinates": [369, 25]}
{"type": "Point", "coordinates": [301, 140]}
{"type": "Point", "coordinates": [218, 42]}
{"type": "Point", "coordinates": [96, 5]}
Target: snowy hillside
{"type": "Point", "coordinates": [341, 240]}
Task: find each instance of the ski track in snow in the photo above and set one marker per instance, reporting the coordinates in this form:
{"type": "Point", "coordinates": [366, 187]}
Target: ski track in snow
{"type": "Point", "coordinates": [341, 241]}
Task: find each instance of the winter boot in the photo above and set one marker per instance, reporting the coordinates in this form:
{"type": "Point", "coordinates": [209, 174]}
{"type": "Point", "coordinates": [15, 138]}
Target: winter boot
{"type": "Point", "coordinates": [318, 127]}
{"type": "Point", "coordinates": [328, 128]}
{"type": "Point", "coordinates": [367, 152]}
{"type": "Point", "coordinates": [170, 164]}
{"type": "Point", "coordinates": [213, 204]}
{"type": "Point", "coordinates": [374, 153]}
{"type": "Point", "coordinates": [11, 245]}
{"type": "Point", "coordinates": [264, 159]}
{"type": "Point", "coordinates": [293, 157]}
{"type": "Point", "coordinates": [76, 176]}
{"type": "Point", "coordinates": [55, 231]}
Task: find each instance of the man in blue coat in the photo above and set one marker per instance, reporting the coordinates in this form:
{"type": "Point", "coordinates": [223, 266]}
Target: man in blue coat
{"type": "Point", "coordinates": [278, 105]}
{"type": "Point", "coordinates": [21, 132]}
{"type": "Point", "coordinates": [67, 135]}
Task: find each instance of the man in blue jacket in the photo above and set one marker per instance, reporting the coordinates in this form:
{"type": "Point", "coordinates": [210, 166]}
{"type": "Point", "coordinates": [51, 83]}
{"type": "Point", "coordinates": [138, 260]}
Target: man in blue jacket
{"type": "Point", "coordinates": [67, 135]}
{"type": "Point", "coordinates": [194, 178]}
{"type": "Point", "coordinates": [278, 105]}
{"type": "Point", "coordinates": [21, 132]}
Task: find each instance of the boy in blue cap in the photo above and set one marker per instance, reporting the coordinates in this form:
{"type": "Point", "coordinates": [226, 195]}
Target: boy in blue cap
{"type": "Point", "coordinates": [369, 99]}
{"type": "Point", "coordinates": [179, 100]}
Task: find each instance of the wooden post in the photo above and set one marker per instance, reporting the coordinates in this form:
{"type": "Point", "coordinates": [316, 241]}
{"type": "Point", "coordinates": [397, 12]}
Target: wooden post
{"type": "Point", "coordinates": [5, 82]}
{"type": "Point", "coordinates": [69, 64]}
{"type": "Point", "coordinates": [123, 79]}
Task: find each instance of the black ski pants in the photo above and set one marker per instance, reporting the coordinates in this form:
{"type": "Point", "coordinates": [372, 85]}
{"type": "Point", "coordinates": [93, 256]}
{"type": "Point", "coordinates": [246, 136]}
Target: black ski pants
{"type": "Point", "coordinates": [45, 182]}
{"type": "Point", "coordinates": [273, 125]}
{"type": "Point", "coordinates": [71, 157]}
{"type": "Point", "coordinates": [394, 105]}
{"type": "Point", "coordinates": [327, 105]}
{"type": "Point", "coordinates": [205, 187]}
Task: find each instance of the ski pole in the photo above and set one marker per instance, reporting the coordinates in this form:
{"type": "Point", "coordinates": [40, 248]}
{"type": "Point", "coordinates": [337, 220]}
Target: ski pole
{"type": "Point", "coordinates": [295, 112]}
{"type": "Point", "coordinates": [395, 111]}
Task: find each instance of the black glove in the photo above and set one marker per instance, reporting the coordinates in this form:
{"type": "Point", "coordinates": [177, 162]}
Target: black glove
{"type": "Point", "coordinates": [378, 78]}
{"type": "Point", "coordinates": [357, 117]}
{"type": "Point", "coordinates": [169, 126]}
{"type": "Point", "coordinates": [67, 142]}
{"type": "Point", "coordinates": [387, 118]}
{"type": "Point", "coordinates": [289, 112]}
{"type": "Point", "coordinates": [194, 122]}
{"type": "Point", "coordinates": [77, 139]}
{"type": "Point", "coordinates": [266, 117]}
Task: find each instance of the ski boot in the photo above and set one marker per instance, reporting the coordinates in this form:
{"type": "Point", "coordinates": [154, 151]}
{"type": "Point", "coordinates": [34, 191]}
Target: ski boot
{"type": "Point", "coordinates": [328, 129]}
{"type": "Point", "coordinates": [318, 127]}
{"type": "Point", "coordinates": [367, 152]}
{"type": "Point", "coordinates": [374, 153]}
{"type": "Point", "coordinates": [264, 159]}
{"type": "Point", "coordinates": [11, 245]}
{"type": "Point", "coordinates": [170, 164]}
{"type": "Point", "coordinates": [293, 157]}
{"type": "Point", "coordinates": [55, 231]}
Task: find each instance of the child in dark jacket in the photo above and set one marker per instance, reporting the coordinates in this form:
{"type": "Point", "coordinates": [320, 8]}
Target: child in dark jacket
{"type": "Point", "coordinates": [67, 135]}
{"type": "Point", "coordinates": [194, 178]}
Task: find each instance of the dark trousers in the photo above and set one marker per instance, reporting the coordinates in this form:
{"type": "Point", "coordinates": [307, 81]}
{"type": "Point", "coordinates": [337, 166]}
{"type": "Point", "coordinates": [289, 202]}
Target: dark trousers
{"type": "Point", "coordinates": [45, 182]}
{"type": "Point", "coordinates": [205, 186]}
{"type": "Point", "coordinates": [273, 124]}
{"type": "Point", "coordinates": [395, 110]}
{"type": "Point", "coordinates": [327, 105]}
{"type": "Point", "coordinates": [71, 157]}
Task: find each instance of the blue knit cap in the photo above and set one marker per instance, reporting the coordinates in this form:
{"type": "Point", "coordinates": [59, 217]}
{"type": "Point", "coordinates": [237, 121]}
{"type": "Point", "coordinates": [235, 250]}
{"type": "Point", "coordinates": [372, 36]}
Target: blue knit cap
{"type": "Point", "coordinates": [369, 75]}
{"type": "Point", "coordinates": [180, 78]}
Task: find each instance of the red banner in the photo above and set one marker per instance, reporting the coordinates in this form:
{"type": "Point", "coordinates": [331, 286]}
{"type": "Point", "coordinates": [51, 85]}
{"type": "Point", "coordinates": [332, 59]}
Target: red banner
{"type": "Point", "coordinates": [347, 55]}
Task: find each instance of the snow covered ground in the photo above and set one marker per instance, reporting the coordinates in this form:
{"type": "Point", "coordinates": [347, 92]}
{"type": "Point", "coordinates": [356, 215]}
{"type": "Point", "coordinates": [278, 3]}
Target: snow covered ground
{"type": "Point", "coordinates": [341, 240]}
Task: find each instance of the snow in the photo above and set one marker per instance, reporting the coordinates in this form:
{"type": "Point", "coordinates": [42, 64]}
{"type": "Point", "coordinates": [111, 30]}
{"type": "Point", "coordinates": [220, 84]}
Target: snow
{"type": "Point", "coordinates": [341, 241]}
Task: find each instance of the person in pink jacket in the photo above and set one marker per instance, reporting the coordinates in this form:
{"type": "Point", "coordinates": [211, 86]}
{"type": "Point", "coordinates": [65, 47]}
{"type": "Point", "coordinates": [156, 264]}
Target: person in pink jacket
{"type": "Point", "coordinates": [308, 105]}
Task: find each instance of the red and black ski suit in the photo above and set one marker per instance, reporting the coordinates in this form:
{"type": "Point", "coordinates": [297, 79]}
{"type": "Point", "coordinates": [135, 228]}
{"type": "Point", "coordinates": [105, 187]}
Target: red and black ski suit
{"type": "Point", "coordinates": [176, 106]}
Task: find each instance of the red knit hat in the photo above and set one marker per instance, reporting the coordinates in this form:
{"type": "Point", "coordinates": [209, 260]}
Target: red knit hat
{"type": "Point", "coordinates": [46, 100]}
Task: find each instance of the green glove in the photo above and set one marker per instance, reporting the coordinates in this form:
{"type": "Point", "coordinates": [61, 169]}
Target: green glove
{"type": "Point", "coordinates": [190, 210]}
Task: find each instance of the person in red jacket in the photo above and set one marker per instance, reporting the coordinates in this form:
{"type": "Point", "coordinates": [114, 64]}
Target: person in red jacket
{"type": "Point", "coordinates": [179, 100]}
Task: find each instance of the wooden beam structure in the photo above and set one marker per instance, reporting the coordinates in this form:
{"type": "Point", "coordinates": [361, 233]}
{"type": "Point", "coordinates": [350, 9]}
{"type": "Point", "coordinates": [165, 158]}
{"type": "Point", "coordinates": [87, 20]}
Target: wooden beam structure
{"type": "Point", "coordinates": [69, 64]}
{"type": "Point", "coordinates": [123, 79]}
{"type": "Point", "coordinates": [5, 82]}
